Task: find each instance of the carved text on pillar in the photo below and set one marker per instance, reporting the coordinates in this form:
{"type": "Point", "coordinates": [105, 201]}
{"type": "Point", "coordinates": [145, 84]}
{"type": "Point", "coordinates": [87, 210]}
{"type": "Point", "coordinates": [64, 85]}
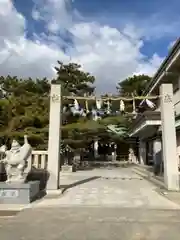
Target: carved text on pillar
{"type": "Point", "coordinates": [56, 98]}
{"type": "Point", "coordinates": [167, 99]}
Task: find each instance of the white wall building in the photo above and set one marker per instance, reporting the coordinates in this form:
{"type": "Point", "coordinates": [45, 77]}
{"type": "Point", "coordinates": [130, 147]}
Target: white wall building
{"type": "Point", "coordinates": [147, 126]}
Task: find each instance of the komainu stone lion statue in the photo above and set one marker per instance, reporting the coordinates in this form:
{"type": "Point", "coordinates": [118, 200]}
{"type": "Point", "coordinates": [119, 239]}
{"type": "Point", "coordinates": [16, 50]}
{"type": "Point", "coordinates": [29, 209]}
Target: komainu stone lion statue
{"type": "Point", "coordinates": [16, 160]}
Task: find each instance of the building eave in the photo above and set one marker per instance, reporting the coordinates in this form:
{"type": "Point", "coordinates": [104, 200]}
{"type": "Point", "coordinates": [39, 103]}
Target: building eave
{"type": "Point", "coordinates": [174, 50]}
{"type": "Point", "coordinates": [144, 120]}
{"type": "Point", "coordinates": [145, 125]}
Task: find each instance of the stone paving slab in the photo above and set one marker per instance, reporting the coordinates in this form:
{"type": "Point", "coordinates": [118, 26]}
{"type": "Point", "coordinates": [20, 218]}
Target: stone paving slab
{"type": "Point", "coordinates": [110, 172]}
{"type": "Point", "coordinates": [119, 187]}
{"type": "Point", "coordinates": [126, 193]}
{"type": "Point", "coordinates": [92, 223]}
{"type": "Point", "coordinates": [116, 206]}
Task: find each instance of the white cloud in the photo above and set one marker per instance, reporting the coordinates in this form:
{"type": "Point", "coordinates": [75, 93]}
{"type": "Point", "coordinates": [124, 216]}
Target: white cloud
{"type": "Point", "coordinates": [106, 52]}
{"type": "Point", "coordinates": [54, 12]}
{"type": "Point", "coordinates": [18, 55]}
{"type": "Point", "coordinates": [12, 24]}
{"type": "Point", "coordinates": [36, 15]}
{"type": "Point", "coordinates": [149, 67]}
{"type": "Point", "coordinates": [160, 24]}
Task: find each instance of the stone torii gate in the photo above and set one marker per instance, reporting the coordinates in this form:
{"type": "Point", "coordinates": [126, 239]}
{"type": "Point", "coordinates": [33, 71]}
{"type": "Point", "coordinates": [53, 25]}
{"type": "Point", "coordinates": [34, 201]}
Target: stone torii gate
{"type": "Point", "coordinates": [169, 149]}
{"type": "Point", "coordinates": [54, 137]}
{"type": "Point", "coordinates": [170, 158]}
{"type": "Point", "coordinates": [171, 175]}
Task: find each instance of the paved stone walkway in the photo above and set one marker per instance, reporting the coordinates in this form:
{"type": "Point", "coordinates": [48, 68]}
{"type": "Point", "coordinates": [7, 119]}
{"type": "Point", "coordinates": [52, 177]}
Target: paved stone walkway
{"type": "Point", "coordinates": [92, 224]}
{"type": "Point", "coordinates": [115, 188]}
{"type": "Point", "coordinates": [117, 204]}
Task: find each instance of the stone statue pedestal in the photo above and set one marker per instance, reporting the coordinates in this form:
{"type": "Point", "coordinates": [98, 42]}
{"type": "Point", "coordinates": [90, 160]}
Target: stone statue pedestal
{"type": "Point", "coordinates": [18, 193]}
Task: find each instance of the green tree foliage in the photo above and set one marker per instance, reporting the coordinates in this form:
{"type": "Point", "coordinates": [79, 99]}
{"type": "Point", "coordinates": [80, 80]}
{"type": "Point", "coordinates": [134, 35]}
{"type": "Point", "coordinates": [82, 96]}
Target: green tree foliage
{"type": "Point", "coordinates": [24, 106]}
{"type": "Point", "coordinates": [76, 130]}
{"type": "Point", "coordinates": [133, 85]}
{"type": "Point", "coordinates": [73, 80]}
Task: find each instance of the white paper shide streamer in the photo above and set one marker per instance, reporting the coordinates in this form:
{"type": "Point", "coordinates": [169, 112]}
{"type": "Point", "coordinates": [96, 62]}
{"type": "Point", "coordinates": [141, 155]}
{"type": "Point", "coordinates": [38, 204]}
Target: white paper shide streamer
{"type": "Point", "coordinates": [150, 104]}
{"type": "Point", "coordinates": [76, 105]}
{"type": "Point", "coordinates": [108, 107]}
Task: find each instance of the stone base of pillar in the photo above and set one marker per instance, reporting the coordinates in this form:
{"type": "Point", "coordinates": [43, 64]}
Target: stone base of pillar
{"type": "Point", "coordinates": [54, 193]}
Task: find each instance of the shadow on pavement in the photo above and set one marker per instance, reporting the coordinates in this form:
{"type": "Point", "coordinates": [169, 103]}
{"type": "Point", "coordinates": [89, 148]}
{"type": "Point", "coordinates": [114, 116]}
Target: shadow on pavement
{"type": "Point", "coordinates": [65, 187]}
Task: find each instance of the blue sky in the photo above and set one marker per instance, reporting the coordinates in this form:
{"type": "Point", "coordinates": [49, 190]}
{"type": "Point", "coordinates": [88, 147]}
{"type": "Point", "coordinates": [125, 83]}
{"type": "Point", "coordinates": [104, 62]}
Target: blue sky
{"type": "Point", "coordinates": [116, 13]}
{"type": "Point", "coordinates": [105, 37]}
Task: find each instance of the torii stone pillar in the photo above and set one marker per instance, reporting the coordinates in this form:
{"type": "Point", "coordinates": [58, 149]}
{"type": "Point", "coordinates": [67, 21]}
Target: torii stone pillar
{"type": "Point", "coordinates": [171, 174]}
{"type": "Point", "coordinates": [54, 137]}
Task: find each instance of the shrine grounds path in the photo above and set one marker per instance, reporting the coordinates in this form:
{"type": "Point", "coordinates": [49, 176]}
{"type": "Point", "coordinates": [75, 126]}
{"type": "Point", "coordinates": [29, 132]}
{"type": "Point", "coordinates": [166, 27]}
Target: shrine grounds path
{"type": "Point", "coordinates": [112, 203]}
